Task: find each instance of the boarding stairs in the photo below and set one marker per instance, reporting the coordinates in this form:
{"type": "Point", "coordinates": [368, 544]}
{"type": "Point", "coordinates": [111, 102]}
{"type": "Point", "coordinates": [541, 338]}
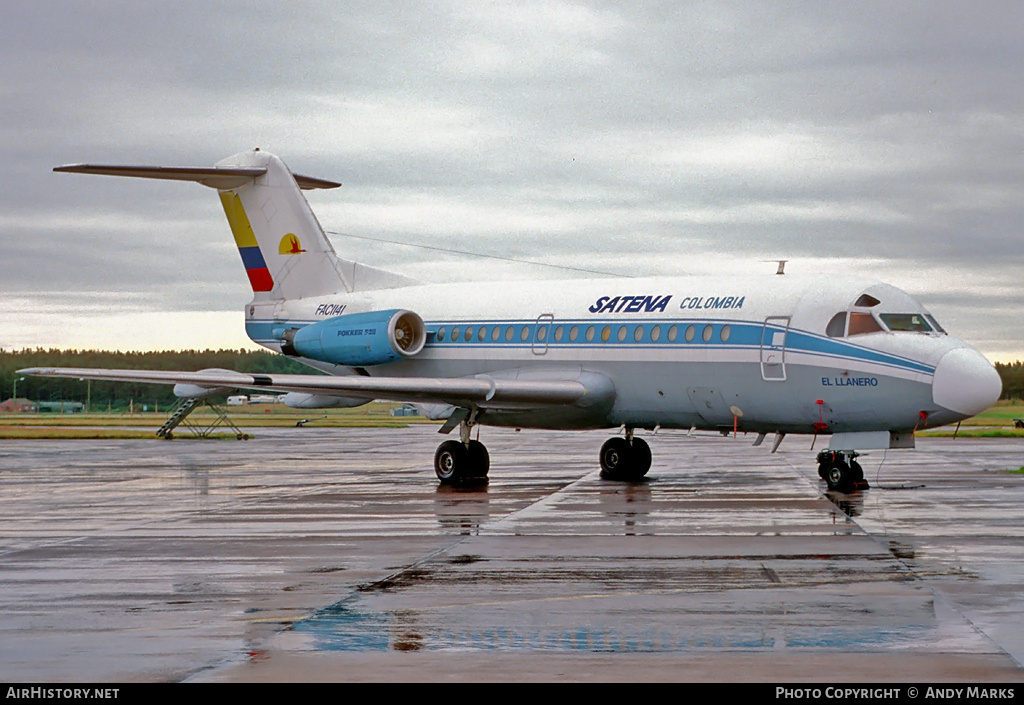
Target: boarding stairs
{"type": "Point", "coordinates": [184, 407]}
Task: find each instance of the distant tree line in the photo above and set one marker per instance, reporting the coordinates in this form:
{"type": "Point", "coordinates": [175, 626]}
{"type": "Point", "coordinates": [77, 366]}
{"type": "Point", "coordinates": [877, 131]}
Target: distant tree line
{"type": "Point", "coordinates": [116, 396]}
{"type": "Point", "coordinates": [1012, 374]}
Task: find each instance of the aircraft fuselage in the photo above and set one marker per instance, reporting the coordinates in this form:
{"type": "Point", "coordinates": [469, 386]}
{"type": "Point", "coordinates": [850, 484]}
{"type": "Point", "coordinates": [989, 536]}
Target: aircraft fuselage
{"type": "Point", "coordinates": [680, 352]}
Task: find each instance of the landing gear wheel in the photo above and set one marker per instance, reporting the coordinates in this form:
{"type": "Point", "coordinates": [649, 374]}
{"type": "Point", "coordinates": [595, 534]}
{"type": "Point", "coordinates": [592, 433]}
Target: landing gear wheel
{"type": "Point", "coordinates": [857, 472]}
{"type": "Point", "coordinates": [479, 459]}
{"type": "Point", "coordinates": [839, 476]}
{"type": "Point", "coordinates": [641, 459]}
{"type": "Point", "coordinates": [456, 463]}
{"type": "Point", "coordinates": [859, 483]}
{"type": "Point", "coordinates": [622, 461]}
{"type": "Point", "coordinates": [615, 458]}
{"type": "Point", "coordinates": [451, 461]}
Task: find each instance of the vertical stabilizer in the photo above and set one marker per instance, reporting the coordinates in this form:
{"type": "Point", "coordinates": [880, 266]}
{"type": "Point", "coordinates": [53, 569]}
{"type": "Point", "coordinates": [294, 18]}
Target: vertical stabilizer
{"type": "Point", "coordinates": [284, 250]}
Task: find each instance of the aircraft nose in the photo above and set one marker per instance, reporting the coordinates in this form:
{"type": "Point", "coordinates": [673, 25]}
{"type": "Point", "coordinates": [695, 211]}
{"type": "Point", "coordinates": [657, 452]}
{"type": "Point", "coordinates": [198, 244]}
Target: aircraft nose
{"type": "Point", "coordinates": [965, 382]}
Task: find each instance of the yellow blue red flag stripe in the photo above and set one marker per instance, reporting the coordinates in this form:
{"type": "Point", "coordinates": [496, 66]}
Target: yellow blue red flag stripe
{"type": "Point", "coordinates": [248, 248]}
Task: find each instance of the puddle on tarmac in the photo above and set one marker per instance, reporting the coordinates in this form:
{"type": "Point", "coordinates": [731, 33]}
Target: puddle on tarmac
{"type": "Point", "coordinates": [348, 629]}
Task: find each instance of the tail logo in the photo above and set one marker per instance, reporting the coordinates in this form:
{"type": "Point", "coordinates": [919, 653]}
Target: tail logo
{"type": "Point", "coordinates": [241, 228]}
{"type": "Point", "coordinates": [289, 245]}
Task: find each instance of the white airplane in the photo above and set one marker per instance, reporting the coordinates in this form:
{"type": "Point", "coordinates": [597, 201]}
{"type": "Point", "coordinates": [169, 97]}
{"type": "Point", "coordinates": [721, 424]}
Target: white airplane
{"type": "Point", "coordinates": [854, 359]}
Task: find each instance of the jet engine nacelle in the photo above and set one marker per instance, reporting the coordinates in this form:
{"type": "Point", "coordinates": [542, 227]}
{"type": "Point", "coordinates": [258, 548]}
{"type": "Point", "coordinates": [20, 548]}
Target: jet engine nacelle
{"type": "Point", "coordinates": [358, 339]}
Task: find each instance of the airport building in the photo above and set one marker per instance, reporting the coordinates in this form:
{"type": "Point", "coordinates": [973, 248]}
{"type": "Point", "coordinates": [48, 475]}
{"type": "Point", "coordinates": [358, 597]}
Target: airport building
{"type": "Point", "coordinates": [61, 407]}
{"type": "Point", "coordinates": [19, 405]}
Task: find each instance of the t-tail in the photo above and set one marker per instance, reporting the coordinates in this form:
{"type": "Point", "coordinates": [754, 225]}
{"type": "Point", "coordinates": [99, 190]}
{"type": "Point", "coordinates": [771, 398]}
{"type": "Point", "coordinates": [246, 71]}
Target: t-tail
{"type": "Point", "coordinates": [284, 250]}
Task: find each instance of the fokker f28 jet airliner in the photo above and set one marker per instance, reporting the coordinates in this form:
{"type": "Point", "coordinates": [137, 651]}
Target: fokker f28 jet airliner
{"type": "Point", "coordinates": [854, 359]}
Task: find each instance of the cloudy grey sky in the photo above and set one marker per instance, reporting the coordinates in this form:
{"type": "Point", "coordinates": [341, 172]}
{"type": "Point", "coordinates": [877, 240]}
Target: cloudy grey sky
{"type": "Point", "coordinates": [883, 139]}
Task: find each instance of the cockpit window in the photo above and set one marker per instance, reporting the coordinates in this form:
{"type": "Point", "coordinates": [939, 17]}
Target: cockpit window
{"type": "Point", "coordinates": [836, 328]}
{"type": "Point", "coordinates": [906, 322]}
{"type": "Point", "coordinates": [867, 300]}
{"type": "Point", "coordinates": [935, 324]}
{"type": "Point", "coordinates": [863, 323]}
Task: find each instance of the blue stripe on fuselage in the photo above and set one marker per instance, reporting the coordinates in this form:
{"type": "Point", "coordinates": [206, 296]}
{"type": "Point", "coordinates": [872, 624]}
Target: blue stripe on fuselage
{"type": "Point", "coordinates": [743, 335]}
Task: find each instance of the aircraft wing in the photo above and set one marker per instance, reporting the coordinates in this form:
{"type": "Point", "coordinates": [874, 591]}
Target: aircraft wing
{"type": "Point", "coordinates": [482, 391]}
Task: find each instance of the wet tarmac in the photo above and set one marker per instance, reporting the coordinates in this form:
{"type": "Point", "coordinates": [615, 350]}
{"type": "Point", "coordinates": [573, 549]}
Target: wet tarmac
{"type": "Point", "coordinates": [332, 554]}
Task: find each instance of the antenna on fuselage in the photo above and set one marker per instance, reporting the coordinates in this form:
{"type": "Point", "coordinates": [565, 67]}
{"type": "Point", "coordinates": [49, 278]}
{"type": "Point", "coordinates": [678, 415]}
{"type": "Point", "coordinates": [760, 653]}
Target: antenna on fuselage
{"type": "Point", "coordinates": [782, 265]}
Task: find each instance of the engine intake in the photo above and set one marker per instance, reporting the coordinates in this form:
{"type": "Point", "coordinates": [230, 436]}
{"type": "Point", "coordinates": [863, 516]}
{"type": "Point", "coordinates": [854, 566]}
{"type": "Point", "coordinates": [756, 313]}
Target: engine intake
{"type": "Point", "coordinates": [358, 339]}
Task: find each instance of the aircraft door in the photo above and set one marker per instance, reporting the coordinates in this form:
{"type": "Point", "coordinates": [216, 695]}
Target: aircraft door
{"type": "Point", "coordinates": [541, 333]}
{"type": "Point", "coordinates": [773, 348]}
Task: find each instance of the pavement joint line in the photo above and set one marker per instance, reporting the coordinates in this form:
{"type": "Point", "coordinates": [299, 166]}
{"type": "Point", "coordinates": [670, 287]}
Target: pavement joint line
{"type": "Point", "coordinates": [357, 590]}
{"type": "Point", "coordinates": [632, 593]}
{"type": "Point", "coordinates": [934, 589]}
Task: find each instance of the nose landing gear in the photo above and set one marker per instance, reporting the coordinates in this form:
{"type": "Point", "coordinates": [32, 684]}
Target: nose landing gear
{"type": "Point", "coordinates": [840, 471]}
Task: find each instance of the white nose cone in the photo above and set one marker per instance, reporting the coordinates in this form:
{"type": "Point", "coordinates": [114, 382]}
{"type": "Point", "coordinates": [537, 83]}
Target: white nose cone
{"type": "Point", "coordinates": [965, 382]}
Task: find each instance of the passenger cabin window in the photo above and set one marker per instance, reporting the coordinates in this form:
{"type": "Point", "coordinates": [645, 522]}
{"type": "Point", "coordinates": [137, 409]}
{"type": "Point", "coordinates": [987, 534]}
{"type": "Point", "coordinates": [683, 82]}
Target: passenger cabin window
{"type": "Point", "coordinates": [906, 322]}
{"type": "Point", "coordinates": [863, 323]}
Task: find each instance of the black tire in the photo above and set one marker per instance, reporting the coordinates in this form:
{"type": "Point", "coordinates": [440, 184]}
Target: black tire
{"type": "Point", "coordinates": [451, 461]}
{"type": "Point", "coordinates": [839, 476]}
{"type": "Point", "coordinates": [641, 460]}
{"type": "Point", "coordinates": [479, 459]}
{"type": "Point", "coordinates": [615, 458]}
{"type": "Point", "coordinates": [857, 470]}
{"type": "Point", "coordinates": [823, 471]}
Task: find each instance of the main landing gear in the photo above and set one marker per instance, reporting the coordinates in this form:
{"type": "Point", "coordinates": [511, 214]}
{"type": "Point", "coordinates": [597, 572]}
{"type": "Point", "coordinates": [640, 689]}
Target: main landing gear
{"type": "Point", "coordinates": [466, 462]}
{"type": "Point", "coordinates": [839, 469]}
{"type": "Point", "coordinates": [462, 462]}
{"type": "Point", "coordinates": [626, 458]}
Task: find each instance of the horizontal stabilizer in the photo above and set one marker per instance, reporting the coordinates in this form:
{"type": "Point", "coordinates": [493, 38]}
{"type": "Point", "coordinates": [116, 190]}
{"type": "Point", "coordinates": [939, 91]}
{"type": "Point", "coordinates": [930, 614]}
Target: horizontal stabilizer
{"type": "Point", "coordinates": [213, 176]}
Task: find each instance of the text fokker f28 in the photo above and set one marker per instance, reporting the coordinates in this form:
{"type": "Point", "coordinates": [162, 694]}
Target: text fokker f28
{"type": "Point", "coordinates": [855, 359]}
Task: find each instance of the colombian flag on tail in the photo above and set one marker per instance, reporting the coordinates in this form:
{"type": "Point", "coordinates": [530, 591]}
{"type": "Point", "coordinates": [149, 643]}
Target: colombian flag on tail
{"type": "Point", "coordinates": [252, 258]}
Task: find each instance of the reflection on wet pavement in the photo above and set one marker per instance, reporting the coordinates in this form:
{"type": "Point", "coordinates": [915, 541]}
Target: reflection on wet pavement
{"type": "Point", "coordinates": [140, 560]}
